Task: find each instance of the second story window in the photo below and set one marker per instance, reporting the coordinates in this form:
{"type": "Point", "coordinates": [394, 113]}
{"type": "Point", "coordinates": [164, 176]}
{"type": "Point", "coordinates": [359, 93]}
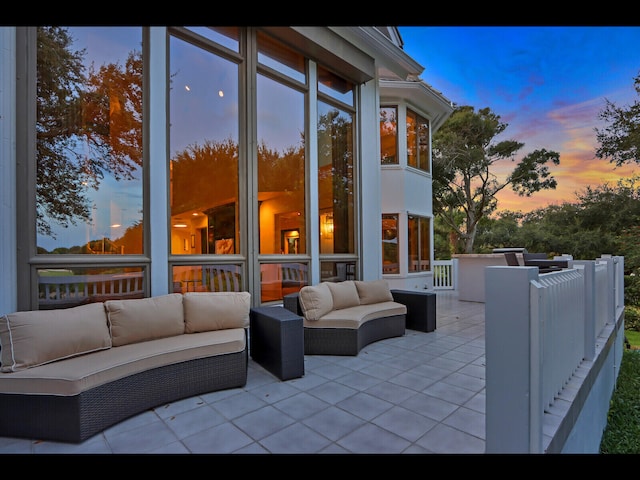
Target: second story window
{"type": "Point", "coordinates": [389, 135]}
{"type": "Point", "coordinates": [418, 141]}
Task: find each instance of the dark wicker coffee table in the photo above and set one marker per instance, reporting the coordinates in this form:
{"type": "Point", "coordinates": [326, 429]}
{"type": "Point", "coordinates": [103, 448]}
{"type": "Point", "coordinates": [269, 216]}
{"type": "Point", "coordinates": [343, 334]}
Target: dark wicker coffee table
{"type": "Point", "coordinates": [421, 309]}
{"type": "Point", "coordinates": [276, 339]}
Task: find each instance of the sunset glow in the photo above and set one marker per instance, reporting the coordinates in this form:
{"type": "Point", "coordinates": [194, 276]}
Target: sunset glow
{"type": "Point", "coordinates": [549, 85]}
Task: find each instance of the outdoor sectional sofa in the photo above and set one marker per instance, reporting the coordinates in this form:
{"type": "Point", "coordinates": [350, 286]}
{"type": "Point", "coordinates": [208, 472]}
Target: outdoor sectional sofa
{"type": "Point", "coordinates": [68, 374]}
{"type": "Point", "coordinates": [340, 318]}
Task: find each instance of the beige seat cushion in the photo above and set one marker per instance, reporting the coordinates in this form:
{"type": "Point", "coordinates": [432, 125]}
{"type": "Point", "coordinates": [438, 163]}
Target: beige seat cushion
{"type": "Point", "coordinates": [354, 317]}
{"type": "Point", "coordinates": [373, 291]}
{"type": "Point", "coordinates": [141, 319]}
{"type": "Point", "coordinates": [315, 301]}
{"type": "Point", "coordinates": [205, 311]}
{"type": "Point", "coordinates": [29, 339]}
{"type": "Point", "coordinates": [344, 294]}
{"type": "Point", "coordinates": [75, 375]}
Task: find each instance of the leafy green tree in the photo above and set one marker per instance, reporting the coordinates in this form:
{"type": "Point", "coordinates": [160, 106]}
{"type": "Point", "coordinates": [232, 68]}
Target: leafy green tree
{"type": "Point", "coordinates": [499, 231]}
{"type": "Point", "coordinates": [620, 139]}
{"type": "Point", "coordinates": [88, 124]}
{"type": "Point", "coordinates": [464, 156]}
{"type": "Point", "coordinates": [59, 188]}
{"type": "Point", "coordinates": [444, 240]}
{"type": "Point", "coordinates": [603, 219]}
{"type": "Point", "coordinates": [559, 229]}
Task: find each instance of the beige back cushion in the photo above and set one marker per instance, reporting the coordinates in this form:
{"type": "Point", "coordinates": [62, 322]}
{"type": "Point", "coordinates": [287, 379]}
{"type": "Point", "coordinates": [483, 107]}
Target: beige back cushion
{"type": "Point", "coordinates": [373, 291]}
{"type": "Point", "coordinates": [141, 319]}
{"type": "Point", "coordinates": [315, 301]}
{"type": "Point", "coordinates": [204, 311]}
{"type": "Point", "coordinates": [344, 294]}
{"type": "Point", "coordinates": [29, 339]}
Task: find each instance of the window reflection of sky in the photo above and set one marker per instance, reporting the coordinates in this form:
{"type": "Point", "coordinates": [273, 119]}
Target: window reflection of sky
{"type": "Point", "coordinates": [280, 115]}
{"type": "Point", "coordinates": [201, 113]}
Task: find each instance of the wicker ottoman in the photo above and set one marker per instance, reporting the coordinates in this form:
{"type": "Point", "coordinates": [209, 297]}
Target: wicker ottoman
{"type": "Point", "coordinates": [276, 339]}
{"type": "Point", "coordinates": [421, 309]}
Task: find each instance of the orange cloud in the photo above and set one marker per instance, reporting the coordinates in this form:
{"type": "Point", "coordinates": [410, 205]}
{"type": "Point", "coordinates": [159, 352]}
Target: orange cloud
{"type": "Point", "coordinates": [572, 129]}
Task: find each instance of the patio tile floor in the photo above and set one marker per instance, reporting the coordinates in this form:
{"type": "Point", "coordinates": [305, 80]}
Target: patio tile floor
{"type": "Point", "coordinates": [422, 393]}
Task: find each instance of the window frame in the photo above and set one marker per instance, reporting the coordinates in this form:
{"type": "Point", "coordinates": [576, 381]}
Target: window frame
{"type": "Point", "coordinates": [394, 159]}
{"type": "Point", "coordinates": [417, 142]}
{"type": "Point", "coordinates": [423, 232]}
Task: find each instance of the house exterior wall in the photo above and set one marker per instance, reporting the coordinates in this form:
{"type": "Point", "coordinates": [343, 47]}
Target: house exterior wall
{"type": "Point", "coordinates": [8, 279]}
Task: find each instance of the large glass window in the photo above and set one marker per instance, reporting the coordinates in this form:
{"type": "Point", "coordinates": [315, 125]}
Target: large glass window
{"type": "Point", "coordinates": [418, 141]}
{"type": "Point", "coordinates": [281, 113]}
{"type": "Point", "coordinates": [89, 140]}
{"type": "Point", "coordinates": [281, 149]}
{"type": "Point", "coordinates": [389, 135]}
{"type": "Point", "coordinates": [418, 229]}
{"type": "Point", "coordinates": [336, 188]}
{"type": "Point", "coordinates": [204, 192]}
{"type": "Point", "coordinates": [335, 179]}
{"type": "Point", "coordinates": [281, 168]}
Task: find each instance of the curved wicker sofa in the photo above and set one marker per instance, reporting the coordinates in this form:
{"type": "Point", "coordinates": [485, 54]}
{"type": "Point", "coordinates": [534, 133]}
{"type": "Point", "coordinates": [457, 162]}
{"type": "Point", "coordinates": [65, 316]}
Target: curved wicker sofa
{"type": "Point", "coordinates": [68, 374]}
{"type": "Point", "coordinates": [340, 318]}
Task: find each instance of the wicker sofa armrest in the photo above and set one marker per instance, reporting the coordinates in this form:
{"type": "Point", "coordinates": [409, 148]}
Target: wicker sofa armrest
{"type": "Point", "coordinates": [291, 302]}
{"type": "Point", "coordinates": [421, 308]}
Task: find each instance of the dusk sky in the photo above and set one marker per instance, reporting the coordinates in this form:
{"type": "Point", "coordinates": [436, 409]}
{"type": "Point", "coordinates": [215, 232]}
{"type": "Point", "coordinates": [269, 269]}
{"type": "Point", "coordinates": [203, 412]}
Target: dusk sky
{"type": "Point", "coordinates": [547, 83]}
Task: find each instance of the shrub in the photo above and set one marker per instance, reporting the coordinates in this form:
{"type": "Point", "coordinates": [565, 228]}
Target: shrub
{"type": "Point", "coordinates": [632, 290]}
{"type": "Point", "coordinates": [632, 318]}
{"type": "Point", "coordinates": [622, 434]}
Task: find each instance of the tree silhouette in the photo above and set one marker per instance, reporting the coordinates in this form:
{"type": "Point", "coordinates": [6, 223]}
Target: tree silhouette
{"type": "Point", "coordinates": [464, 154]}
{"type": "Point", "coordinates": [203, 173]}
{"type": "Point", "coordinates": [86, 126]}
{"type": "Point", "coordinates": [620, 139]}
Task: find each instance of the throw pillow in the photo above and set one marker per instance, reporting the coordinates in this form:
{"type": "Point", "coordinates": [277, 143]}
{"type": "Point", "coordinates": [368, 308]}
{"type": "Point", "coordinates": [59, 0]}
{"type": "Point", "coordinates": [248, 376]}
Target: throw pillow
{"type": "Point", "coordinates": [32, 338]}
{"type": "Point", "coordinates": [204, 311]}
{"type": "Point", "coordinates": [344, 294]}
{"type": "Point", "coordinates": [315, 301]}
{"type": "Point", "coordinates": [141, 319]}
{"type": "Point", "coordinates": [373, 291]}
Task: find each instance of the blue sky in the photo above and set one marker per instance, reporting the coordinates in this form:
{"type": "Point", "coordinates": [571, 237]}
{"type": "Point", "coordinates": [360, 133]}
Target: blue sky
{"type": "Point", "coordinates": [547, 83]}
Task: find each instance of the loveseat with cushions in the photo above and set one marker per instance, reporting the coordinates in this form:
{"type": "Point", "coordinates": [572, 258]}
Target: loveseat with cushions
{"type": "Point", "coordinates": [68, 374]}
{"type": "Point", "coordinates": [340, 318]}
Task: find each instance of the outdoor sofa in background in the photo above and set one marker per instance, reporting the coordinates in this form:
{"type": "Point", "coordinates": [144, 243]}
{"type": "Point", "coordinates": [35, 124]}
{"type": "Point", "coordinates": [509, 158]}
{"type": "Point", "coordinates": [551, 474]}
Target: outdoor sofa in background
{"type": "Point", "coordinates": [340, 318]}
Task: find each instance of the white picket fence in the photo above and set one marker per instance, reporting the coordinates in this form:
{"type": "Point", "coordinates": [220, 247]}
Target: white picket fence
{"type": "Point", "coordinates": [445, 274]}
